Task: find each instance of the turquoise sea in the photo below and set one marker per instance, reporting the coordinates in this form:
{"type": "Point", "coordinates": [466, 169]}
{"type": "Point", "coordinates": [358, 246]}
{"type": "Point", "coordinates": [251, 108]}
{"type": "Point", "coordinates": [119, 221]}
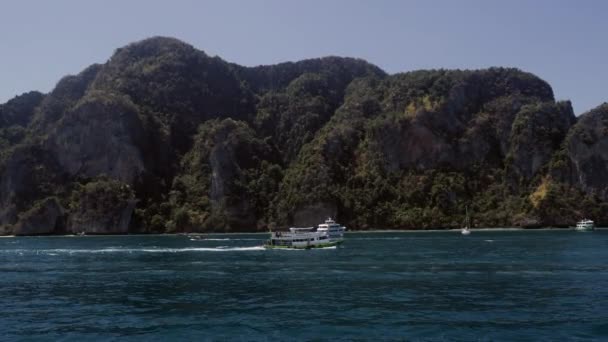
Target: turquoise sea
{"type": "Point", "coordinates": [489, 286]}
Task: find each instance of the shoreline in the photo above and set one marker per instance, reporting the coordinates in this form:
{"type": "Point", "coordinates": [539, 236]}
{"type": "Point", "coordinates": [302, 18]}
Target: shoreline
{"type": "Point", "coordinates": [375, 231]}
{"type": "Point", "coordinates": [512, 229]}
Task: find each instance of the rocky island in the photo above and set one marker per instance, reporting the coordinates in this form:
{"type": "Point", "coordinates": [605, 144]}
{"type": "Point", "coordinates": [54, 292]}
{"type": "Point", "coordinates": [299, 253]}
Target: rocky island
{"type": "Point", "coordinates": [164, 138]}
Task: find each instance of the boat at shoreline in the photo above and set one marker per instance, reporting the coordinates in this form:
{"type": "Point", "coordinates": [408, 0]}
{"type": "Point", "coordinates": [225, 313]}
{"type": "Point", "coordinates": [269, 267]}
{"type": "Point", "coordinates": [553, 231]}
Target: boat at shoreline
{"type": "Point", "coordinates": [327, 234]}
{"type": "Point", "coordinates": [585, 225]}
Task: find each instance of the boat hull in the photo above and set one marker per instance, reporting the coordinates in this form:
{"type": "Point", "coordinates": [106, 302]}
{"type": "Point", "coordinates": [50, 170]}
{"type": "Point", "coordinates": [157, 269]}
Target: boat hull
{"type": "Point", "coordinates": [312, 246]}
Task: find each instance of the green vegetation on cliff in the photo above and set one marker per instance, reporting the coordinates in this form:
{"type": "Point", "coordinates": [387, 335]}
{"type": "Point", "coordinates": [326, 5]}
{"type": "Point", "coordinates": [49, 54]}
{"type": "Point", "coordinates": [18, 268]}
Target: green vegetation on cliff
{"type": "Point", "coordinates": [164, 138]}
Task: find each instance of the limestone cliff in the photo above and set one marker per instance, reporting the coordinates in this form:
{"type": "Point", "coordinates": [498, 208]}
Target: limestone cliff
{"type": "Point", "coordinates": [100, 135]}
{"type": "Point", "coordinates": [165, 138]}
{"type": "Point", "coordinates": [45, 217]}
{"type": "Point", "coordinates": [101, 206]}
{"type": "Point", "coordinates": [587, 152]}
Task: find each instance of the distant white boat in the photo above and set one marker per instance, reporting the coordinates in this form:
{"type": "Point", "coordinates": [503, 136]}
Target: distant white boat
{"type": "Point", "coordinates": [466, 229]}
{"type": "Point", "coordinates": [585, 225]}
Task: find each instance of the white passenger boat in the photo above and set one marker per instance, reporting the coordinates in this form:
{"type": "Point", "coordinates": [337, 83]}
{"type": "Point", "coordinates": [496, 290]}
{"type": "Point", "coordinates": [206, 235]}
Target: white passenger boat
{"type": "Point", "coordinates": [327, 234]}
{"type": "Point", "coordinates": [333, 230]}
{"type": "Point", "coordinates": [585, 225]}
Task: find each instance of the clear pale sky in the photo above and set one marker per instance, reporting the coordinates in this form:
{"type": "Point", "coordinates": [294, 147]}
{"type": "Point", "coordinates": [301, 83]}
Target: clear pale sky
{"type": "Point", "coordinates": [563, 42]}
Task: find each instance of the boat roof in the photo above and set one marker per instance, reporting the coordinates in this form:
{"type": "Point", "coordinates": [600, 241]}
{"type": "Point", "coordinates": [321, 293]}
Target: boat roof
{"type": "Point", "coordinates": [301, 228]}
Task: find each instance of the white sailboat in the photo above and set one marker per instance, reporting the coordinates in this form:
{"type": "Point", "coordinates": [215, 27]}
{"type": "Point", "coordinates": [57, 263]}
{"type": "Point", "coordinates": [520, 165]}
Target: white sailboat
{"type": "Point", "coordinates": [466, 229]}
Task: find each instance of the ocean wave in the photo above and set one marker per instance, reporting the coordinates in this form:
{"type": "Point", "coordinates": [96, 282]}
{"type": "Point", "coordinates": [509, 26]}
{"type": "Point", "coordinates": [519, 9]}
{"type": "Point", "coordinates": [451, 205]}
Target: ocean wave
{"type": "Point", "coordinates": [381, 238]}
{"type": "Point", "coordinates": [302, 249]}
{"type": "Point", "coordinates": [223, 239]}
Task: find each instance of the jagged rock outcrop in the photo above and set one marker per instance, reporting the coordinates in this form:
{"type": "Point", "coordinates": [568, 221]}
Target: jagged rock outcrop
{"type": "Point", "coordinates": [176, 85]}
{"type": "Point", "coordinates": [45, 217]}
{"type": "Point", "coordinates": [101, 135]}
{"type": "Point", "coordinates": [460, 137]}
{"type": "Point", "coordinates": [20, 110]}
{"type": "Point", "coordinates": [101, 206]}
{"type": "Point", "coordinates": [15, 116]}
{"type": "Point", "coordinates": [587, 152]}
{"type": "Point", "coordinates": [66, 94]}
{"type": "Point", "coordinates": [537, 134]}
{"type": "Point", "coordinates": [231, 167]}
{"type": "Point", "coordinates": [30, 173]}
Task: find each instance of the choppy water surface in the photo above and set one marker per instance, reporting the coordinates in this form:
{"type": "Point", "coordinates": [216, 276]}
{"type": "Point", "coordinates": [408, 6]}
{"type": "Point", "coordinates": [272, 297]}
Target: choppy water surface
{"type": "Point", "coordinates": [531, 285]}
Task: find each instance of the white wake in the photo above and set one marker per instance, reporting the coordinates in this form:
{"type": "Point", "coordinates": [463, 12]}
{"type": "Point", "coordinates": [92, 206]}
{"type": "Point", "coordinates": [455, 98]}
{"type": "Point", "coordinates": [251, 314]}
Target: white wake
{"type": "Point", "coordinates": [132, 250]}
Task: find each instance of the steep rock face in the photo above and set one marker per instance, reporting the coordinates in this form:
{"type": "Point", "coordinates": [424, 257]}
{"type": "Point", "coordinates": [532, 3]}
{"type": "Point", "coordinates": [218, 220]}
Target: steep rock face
{"type": "Point", "coordinates": [411, 144]}
{"type": "Point", "coordinates": [45, 217]}
{"type": "Point", "coordinates": [179, 85]}
{"type": "Point", "coordinates": [453, 119]}
{"type": "Point", "coordinates": [20, 110]}
{"type": "Point", "coordinates": [30, 173]}
{"type": "Point", "coordinates": [236, 159]}
{"type": "Point", "coordinates": [292, 117]}
{"type": "Point", "coordinates": [417, 147]}
{"type": "Point", "coordinates": [101, 206]}
{"type": "Point", "coordinates": [66, 93]}
{"type": "Point", "coordinates": [15, 116]}
{"type": "Point", "coordinates": [538, 132]}
{"type": "Point", "coordinates": [101, 135]}
{"type": "Point", "coordinates": [587, 151]}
